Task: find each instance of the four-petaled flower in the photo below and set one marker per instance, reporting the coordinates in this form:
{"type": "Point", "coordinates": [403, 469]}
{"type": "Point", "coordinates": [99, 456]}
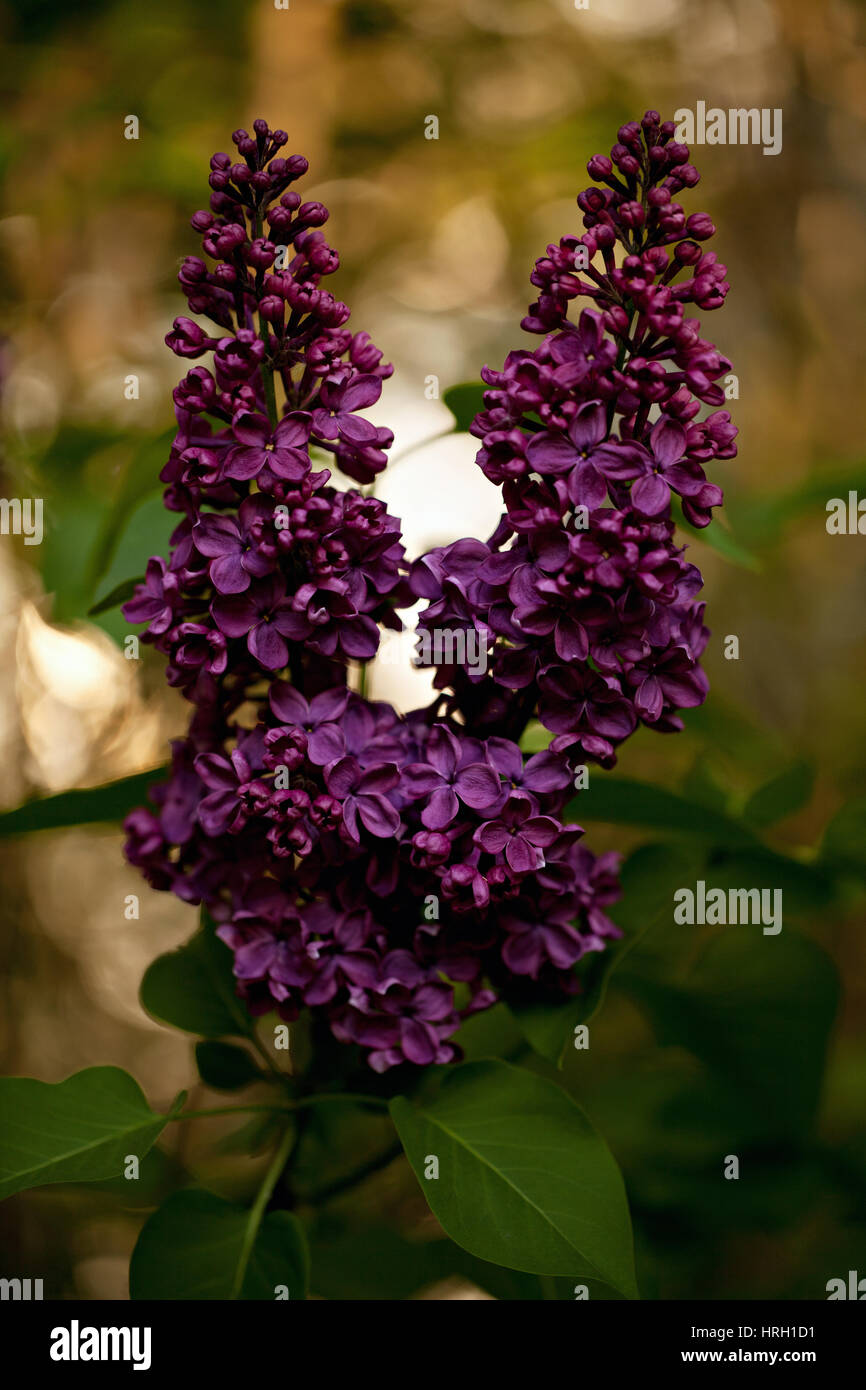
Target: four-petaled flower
{"type": "Point", "coordinates": [450, 775]}
{"type": "Point", "coordinates": [363, 794]}
{"type": "Point", "coordinates": [520, 833]}
{"type": "Point", "coordinates": [283, 449]}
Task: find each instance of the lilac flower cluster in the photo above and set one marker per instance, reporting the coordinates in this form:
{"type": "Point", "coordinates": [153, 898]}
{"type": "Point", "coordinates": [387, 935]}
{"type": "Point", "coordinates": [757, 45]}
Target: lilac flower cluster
{"type": "Point", "coordinates": [398, 873]}
{"type": "Point", "coordinates": [583, 601]}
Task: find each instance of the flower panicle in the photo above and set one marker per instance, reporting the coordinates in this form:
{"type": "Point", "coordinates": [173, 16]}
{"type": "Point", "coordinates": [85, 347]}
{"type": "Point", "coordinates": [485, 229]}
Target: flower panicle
{"type": "Point", "coordinates": [586, 604]}
{"type": "Point", "coordinates": [395, 874]}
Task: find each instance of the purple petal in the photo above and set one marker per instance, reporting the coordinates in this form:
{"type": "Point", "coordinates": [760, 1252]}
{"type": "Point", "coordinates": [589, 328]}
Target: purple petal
{"type": "Point", "coordinates": [443, 750]}
{"type": "Point", "coordinates": [570, 640]}
{"type": "Point", "coordinates": [293, 431]}
{"type": "Point", "coordinates": [441, 809]}
{"type": "Point", "coordinates": [216, 535]}
{"type": "Point", "coordinates": [288, 704]}
{"type": "Point", "coordinates": [384, 777]}
{"type": "Point", "coordinates": [328, 705]}
{"type": "Point", "coordinates": [268, 647]}
{"type": "Point", "coordinates": [417, 1041]}
{"type": "Point", "coordinates": [420, 779]}
{"type": "Point", "coordinates": [244, 463]}
{"type": "Point", "coordinates": [668, 441]}
{"type": "Point", "coordinates": [521, 856]}
{"type": "Point", "coordinates": [234, 616]}
{"type": "Point", "coordinates": [356, 429]}
{"type": "Point", "coordinates": [649, 699]}
{"type": "Point", "coordinates": [545, 772]}
{"type": "Point", "coordinates": [325, 744]}
{"type": "Point", "coordinates": [228, 575]}
{"type": "Point", "coordinates": [379, 816]}
{"type": "Point", "coordinates": [364, 390]}
{"type": "Point", "coordinates": [550, 453]}
{"type": "Point", "coordinates": [492, 836]}
{"type": "Point", "coordinates": [341, 776]}
{"type": "Point", "coordinates": [216, 772]}
{"type": "Point", "coordinates": [506, 757]}
{"type": "Point", "coordinates": [289, 464]}
{"type": "Point", "coordinates": [251, 429]}
{"type": "Point", "coordinates": [588, 427]}
{"type": "Point", "coordinates": [541, 830]}
{"type": "Point", "coordinates": [651, 494]}
{"type": "Point", "coordinates": [478, 786]}
{"type": "Point", "coordinates": [586, 486]}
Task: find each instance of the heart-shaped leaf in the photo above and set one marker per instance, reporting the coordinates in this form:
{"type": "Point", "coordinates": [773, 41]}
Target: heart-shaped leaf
{"type": "Point", "coordinates": [523, 1178]}
{"type": "Point", "coordinates": [82, 1129]}
{"type": "Point", "coordinates": [781, 796]}
{"type": "Point", "coordinates": [192, 1247]}
{"type": "Point", "coordinates": [224, 1066]}
{"type": "Point", "coordinates": [465, 402]}
{"type": "Point", "coordinates": [193, 988]}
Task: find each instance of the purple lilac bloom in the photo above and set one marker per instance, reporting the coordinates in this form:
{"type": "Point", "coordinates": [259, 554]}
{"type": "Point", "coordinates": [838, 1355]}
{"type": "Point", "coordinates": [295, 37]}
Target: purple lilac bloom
{"type": "Point", "coordinates": [316, 825]}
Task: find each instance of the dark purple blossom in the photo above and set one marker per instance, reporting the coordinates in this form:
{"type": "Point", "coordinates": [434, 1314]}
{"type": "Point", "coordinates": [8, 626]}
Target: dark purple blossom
{"type": "Point", "coordinates": [447, 778]}
{"type": "Point", "coordinates": [361, 863]}
{"type": "Point", "coordinates": [363, 794]}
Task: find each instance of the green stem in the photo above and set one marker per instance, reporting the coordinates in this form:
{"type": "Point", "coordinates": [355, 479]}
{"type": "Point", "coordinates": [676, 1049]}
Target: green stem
{"type": "Point", "coordinates": [345, 1184]}
{"type": "Point", "coordinates": [293, 1104]}
{"type": "Point", "coordinates": [270, 392]}
{"type": "Point", "coordinates": [354, 1097]}
{"type": "Point", "coordinates": [257, 1210]}
{"type": "Point", "coordinates": [233, 1110]}
{"type": "Point", "coordinates": [266, 1057]}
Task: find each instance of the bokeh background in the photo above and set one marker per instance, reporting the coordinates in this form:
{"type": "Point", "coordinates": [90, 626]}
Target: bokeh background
{"type": "Point", "coordinates": [437, 239]}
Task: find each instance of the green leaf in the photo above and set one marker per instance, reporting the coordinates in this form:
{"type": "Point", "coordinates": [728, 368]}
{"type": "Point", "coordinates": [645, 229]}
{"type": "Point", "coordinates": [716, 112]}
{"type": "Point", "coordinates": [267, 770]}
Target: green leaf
{"type": "Point", "coordinates": [702, 784]}
{"type": "Point", "coordinates": [649, 878]}
{"type": "Point", "coordinates": [535, 737]}
{"type": "Point", "coordinates": [524, 1180]}
{"type": "Point", "coordinates": [77, 1130]}
{"type": "Point", "coordinates": [253, 1137]}
{"type": "Point", "coordinates": [90, 806]}
{"type": "Point", "coordinates": [193, 989]}
{"type": "Point", "coordinates": [375, 1262]}
{"type": "Point", "coordinates": [224, 1066]}
{"type": "Point", "coordinates": [146, 532]}
{"type": "Point", "coordinates": [623, 801]}
{"type": "Point", "coordinates": [717, 537]}
{"type": "Point", "coordinates": [806, 887]}
{"type": "Point", "coordinates": [465, 402]}
{"type": "Point", "coordinates": [781, 796]}
{"type": "Point", "coordinates": [766, 517]}
{"type": "Point", "coordinates": [721, 724]}
{"type": "Point", "coordinates": [191, 1248]}
{"type": "Point", "coordinates": [741, 1011]}
{"type": "Point", "coordinates": [118, 595]}
{"type": "Point", "coordinates": [140, 481]}
{"type": "Point", "coordinates": [844, 843]}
